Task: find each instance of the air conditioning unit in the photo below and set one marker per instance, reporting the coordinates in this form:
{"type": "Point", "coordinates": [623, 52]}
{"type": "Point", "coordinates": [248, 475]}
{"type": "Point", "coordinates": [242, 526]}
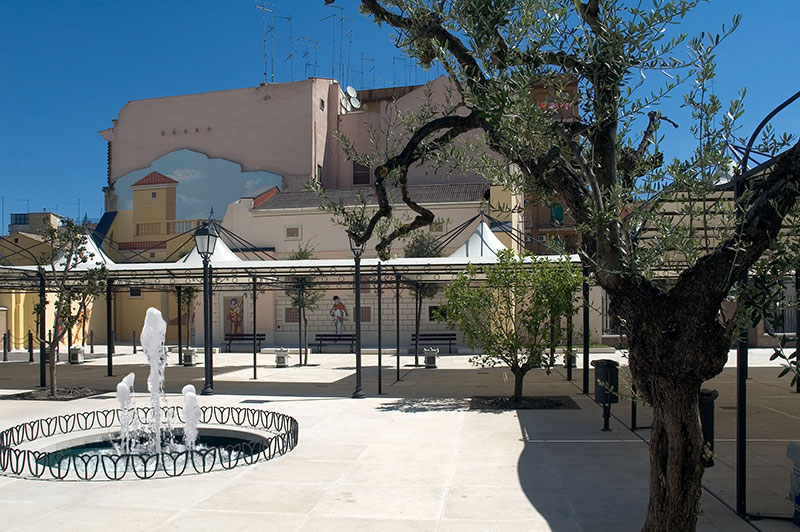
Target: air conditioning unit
{"type": "Point", "coordinates": [541, 238]}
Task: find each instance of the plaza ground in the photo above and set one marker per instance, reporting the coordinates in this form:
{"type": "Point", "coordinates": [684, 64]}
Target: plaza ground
{"type": "Point", "coordinates": [415, 459]}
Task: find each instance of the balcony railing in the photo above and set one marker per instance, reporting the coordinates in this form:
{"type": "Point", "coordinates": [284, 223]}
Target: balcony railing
{"type": "Point", "coordinates": [172, 227]}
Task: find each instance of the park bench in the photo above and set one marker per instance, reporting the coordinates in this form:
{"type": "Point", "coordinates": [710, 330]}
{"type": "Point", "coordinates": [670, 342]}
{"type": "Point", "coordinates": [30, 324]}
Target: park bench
{"type": "Point", "coordinates": [231, 338]}
{"type": "Point", "coordinates": [326, 338]}
{"type": "Point", "coordinates": [439, 338]}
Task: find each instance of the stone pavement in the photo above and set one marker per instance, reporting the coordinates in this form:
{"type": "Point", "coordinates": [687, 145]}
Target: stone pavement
{"type": "Point", "coordinates": [417, 458]}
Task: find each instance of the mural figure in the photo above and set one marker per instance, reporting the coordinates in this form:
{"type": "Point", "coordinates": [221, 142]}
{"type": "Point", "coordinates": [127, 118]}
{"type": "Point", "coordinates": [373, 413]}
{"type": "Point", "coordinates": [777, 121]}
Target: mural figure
{"type": "Point", "coordinates": [339, 314]}
{"type": "Point", "coordinates": [235, 314]}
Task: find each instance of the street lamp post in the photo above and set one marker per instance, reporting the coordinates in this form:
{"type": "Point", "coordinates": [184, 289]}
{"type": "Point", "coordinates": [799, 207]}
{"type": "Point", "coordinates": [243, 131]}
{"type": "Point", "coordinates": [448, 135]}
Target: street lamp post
{"type": "Point", "coordinates": [205, 239]}
{"type": "Point", "coordinates": [357, 250]}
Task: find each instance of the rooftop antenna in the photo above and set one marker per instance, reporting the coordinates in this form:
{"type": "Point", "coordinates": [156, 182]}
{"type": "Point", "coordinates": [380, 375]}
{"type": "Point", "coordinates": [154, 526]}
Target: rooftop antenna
{"type": "Point", "coordinates": [365, 57]}
{"type": "Point", "coordinates": [290, 57]}
{"type": "Point", "coordinates": [349, 48]}
{"type": "Point", "coordinates": [308, 63]}
{"type": "Point", "coordinates": [340, 17]}
{"type": "Point", "coordinates": [268, 30]}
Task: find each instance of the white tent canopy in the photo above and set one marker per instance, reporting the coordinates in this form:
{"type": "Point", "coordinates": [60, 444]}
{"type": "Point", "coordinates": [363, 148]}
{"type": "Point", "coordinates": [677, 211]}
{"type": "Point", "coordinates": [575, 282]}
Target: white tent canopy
{"type": "Point", "coordinates": [481, 243]}
{"type": "Point", "coordinates": [222, 253]}
{"type": "Point", "coordinates": [95, 255]}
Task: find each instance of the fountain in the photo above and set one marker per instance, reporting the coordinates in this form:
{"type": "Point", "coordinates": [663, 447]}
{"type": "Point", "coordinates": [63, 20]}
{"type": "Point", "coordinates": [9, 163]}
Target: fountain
{"type": "Point", "coordinates": [146, 443]}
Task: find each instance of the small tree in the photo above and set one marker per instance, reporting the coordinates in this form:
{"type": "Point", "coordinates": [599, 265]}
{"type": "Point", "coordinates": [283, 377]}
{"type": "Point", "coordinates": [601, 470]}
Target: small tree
{"type": "Point", "coordinates": [186, 303]}
{"type": "Point", "coordinates": [507, 316]}
{"type": "Point", "coordinates": [65, 267]}
{"type": "Point", "coordinates": [304, 295]}
{"type": "Point", "coordinates": [422, 244]}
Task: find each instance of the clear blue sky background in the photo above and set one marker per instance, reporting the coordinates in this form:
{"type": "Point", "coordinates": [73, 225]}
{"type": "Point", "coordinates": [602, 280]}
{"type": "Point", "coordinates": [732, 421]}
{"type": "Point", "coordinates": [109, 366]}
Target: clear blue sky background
{"type": "Point", "coordinates": [69, 67]}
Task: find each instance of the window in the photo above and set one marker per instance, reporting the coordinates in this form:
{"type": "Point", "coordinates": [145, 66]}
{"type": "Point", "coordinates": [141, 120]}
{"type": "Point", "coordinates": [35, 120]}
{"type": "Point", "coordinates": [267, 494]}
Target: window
{"type": "Point", "coordinates": [291, 315]}
{"type": "Point", "coordinates": [293, 232]}
{"type": "Point", "coordinates": [321, 104]}
{"type": "Point", "coordinates": [360, 174]}
{"type": "Point", "coordinates": [135, 291]}
{"type": "Point", "coordinates": [319, 172]}
{"type": "Point", "coordinates": [610, 325]}
{"type": "Point", "coordinates": [19, 219]}
{"type": "Point", "coordinates": [434, 311]}
{"type": "Point", "coordinates": [556, 214]}
{"type": "Point", "coordinates": [783, 320]}
{"type": "Point", "coordinates": [366, 315]}
{"type": "Point", "coordinates": [153, 194]}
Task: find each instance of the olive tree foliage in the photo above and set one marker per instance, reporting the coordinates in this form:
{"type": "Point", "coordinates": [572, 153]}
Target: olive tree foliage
{"type": "Point", "coordinates": [422, 243]}
{"type": "Point", "coordinates": [507, 316]}
{"type": "Point", "coordinates": [599, 58]}
{"type": "Point", "coordinates": [72, 279]}
{"type": "Point", "coordinates": [303, 293]}
{"type": "Point", "coordinates": [186, 303]}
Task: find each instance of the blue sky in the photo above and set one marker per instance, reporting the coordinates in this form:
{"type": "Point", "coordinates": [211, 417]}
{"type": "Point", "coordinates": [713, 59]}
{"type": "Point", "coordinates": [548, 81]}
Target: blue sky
{"type": "Point", "coordinates": [69, 67]}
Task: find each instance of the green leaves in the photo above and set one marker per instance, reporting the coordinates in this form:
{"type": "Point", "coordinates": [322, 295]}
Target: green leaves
{"type": "Point", "coordinates": [505, 310]}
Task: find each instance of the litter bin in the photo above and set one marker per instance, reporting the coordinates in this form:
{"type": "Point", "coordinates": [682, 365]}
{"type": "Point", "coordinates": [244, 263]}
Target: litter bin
{"type": "Point", "coordinates": [607, 373]}
{"type": "Point", "coordinates": [793, 452]}
{"type": "Point", "coordinates": [430, 357]}
{"type": "Point", "coordinates": [281, 357]}
{"type": "Point", "coordinates": [707, 398]}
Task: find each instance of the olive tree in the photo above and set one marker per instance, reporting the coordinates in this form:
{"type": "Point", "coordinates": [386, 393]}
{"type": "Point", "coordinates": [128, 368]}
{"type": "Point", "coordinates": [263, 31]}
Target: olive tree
{"type": "Point", "coordinates": [507, 315]}
{"type": "Point", "coordinates": [559, 91]}
{"type": "Point", "coordinates": [72, 278]}
{"type": "Point", "coordinates": [303, 294]}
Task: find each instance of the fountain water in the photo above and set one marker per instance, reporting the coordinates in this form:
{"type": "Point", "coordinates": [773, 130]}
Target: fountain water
{"type": "Point", "coordinates": [191, 415]}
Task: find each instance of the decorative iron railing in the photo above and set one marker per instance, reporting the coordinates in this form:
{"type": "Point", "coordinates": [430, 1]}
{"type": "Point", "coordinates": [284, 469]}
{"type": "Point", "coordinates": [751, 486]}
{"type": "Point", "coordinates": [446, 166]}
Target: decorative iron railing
{"type": "Point", "coordinates": [280, 438]}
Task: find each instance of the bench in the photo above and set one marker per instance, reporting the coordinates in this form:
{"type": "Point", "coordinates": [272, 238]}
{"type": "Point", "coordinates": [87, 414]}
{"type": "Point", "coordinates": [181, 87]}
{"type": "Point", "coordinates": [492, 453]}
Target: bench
{"type": "Point", "coordinates": [436, 339]}
{"type": "Point", "coordinates": [324, 339]}
{"type": "Point", "coordinates": [244, 338]}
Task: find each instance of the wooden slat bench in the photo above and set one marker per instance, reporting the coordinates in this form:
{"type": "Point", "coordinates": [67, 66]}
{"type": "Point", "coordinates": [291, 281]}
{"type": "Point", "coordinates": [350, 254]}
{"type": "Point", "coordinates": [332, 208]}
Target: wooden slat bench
{"type": "Point", "coordinates": [438, 338]}
{"type": "Point", "coordinates": [326, 338]}
{"type": "Point", "coordinates": [244, 338]}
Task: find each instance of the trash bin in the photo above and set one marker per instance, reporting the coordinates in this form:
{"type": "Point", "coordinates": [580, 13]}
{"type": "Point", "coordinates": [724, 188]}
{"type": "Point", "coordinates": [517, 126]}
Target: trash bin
{"type": "Point", "coordinates": [189, 357]}
{"type": "Point", "coordinates": [281, 357]}
{"type": "Point", "coordinates": [430, 357]}
{"type": "Point", "coordinates": [76, 354]}
{"type": "Point", "coordinates": [707, 398]}
{"type": "Point", "coordinates": [793, 452]}
{"type": "Point", "coordinates": [607, 372]}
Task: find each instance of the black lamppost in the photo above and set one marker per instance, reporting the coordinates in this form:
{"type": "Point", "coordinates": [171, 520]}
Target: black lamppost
{"type": "Point", "coordinates": [205, 240]}
{"type": "Point", "coordinates": [357, 250]}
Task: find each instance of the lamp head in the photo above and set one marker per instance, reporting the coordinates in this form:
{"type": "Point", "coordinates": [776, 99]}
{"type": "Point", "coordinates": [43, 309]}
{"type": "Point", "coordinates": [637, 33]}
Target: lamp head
{"type": "Point", "coordinates": [205, 239]}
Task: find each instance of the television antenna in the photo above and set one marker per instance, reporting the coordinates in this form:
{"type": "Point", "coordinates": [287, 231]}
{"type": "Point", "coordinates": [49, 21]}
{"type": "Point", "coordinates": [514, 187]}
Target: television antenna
{"type": "Point", "coordinates": [290, 57]}
{"type": "Point", "coordinates": [268, 30]}
{"type": "Point", "coordinates": [314, 44]}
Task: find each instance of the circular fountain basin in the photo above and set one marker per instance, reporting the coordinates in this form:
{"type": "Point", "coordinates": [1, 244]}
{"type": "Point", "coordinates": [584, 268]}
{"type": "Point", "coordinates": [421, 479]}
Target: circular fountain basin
{"type": "Point", "coordinates": [239, 436]}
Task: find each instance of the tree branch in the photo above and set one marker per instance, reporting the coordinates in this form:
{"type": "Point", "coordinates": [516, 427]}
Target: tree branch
{"type": "Point", "coordinates": [764, 212]}
{"type": "Point", "coordinates": [432, 30]}
{"type": "Point", "coordinates": [411, 153]}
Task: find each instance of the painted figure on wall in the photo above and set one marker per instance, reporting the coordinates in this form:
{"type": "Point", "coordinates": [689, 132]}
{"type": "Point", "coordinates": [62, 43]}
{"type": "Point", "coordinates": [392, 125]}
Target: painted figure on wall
{"type": "Point", "coordinates": [235, 314]}
{"type": "Point", "coordinates": [339, 314]}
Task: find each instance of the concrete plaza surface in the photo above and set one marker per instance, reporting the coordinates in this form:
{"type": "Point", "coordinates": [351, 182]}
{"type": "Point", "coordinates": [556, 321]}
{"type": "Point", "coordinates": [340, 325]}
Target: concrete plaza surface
{"type": "Point", "coordinates": [415, 459]}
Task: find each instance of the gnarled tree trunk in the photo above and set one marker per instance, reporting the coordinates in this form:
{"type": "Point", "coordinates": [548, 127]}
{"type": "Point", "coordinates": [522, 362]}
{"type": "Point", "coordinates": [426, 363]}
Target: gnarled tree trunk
{"type": "Point", "coordinates": [675, 346]}
{"type": "Point", "coordinates": [676, 450]}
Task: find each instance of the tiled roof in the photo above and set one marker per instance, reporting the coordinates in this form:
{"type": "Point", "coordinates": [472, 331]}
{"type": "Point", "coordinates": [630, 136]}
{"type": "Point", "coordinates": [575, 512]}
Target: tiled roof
{"type": "Point", "coordinates": [423, 194]}
{"type": "Point", "coordinates": [154, 178]}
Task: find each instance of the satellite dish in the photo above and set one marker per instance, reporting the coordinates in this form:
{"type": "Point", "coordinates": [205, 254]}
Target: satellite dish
{"type": "Point", "coordinates": [351, 92]}
{"type": "Point", "coordinates": [355, 102]}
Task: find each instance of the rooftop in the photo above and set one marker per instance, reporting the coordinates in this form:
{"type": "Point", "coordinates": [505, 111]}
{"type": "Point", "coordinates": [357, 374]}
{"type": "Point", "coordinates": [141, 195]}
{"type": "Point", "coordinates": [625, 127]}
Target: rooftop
{"type": "Point", "coordinates": [155, 178]}
{"type": "Point", "coordinates": [423, 194]}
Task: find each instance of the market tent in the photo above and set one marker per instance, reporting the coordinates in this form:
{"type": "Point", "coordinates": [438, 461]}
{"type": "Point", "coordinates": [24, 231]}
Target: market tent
{"type": "Point", "coordinates": [481, 243]}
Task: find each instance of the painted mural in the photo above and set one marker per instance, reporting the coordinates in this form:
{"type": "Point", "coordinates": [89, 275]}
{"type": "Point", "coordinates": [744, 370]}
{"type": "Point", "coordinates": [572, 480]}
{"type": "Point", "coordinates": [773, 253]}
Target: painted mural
{"type": "Point", "coordinates": [203, 183]}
